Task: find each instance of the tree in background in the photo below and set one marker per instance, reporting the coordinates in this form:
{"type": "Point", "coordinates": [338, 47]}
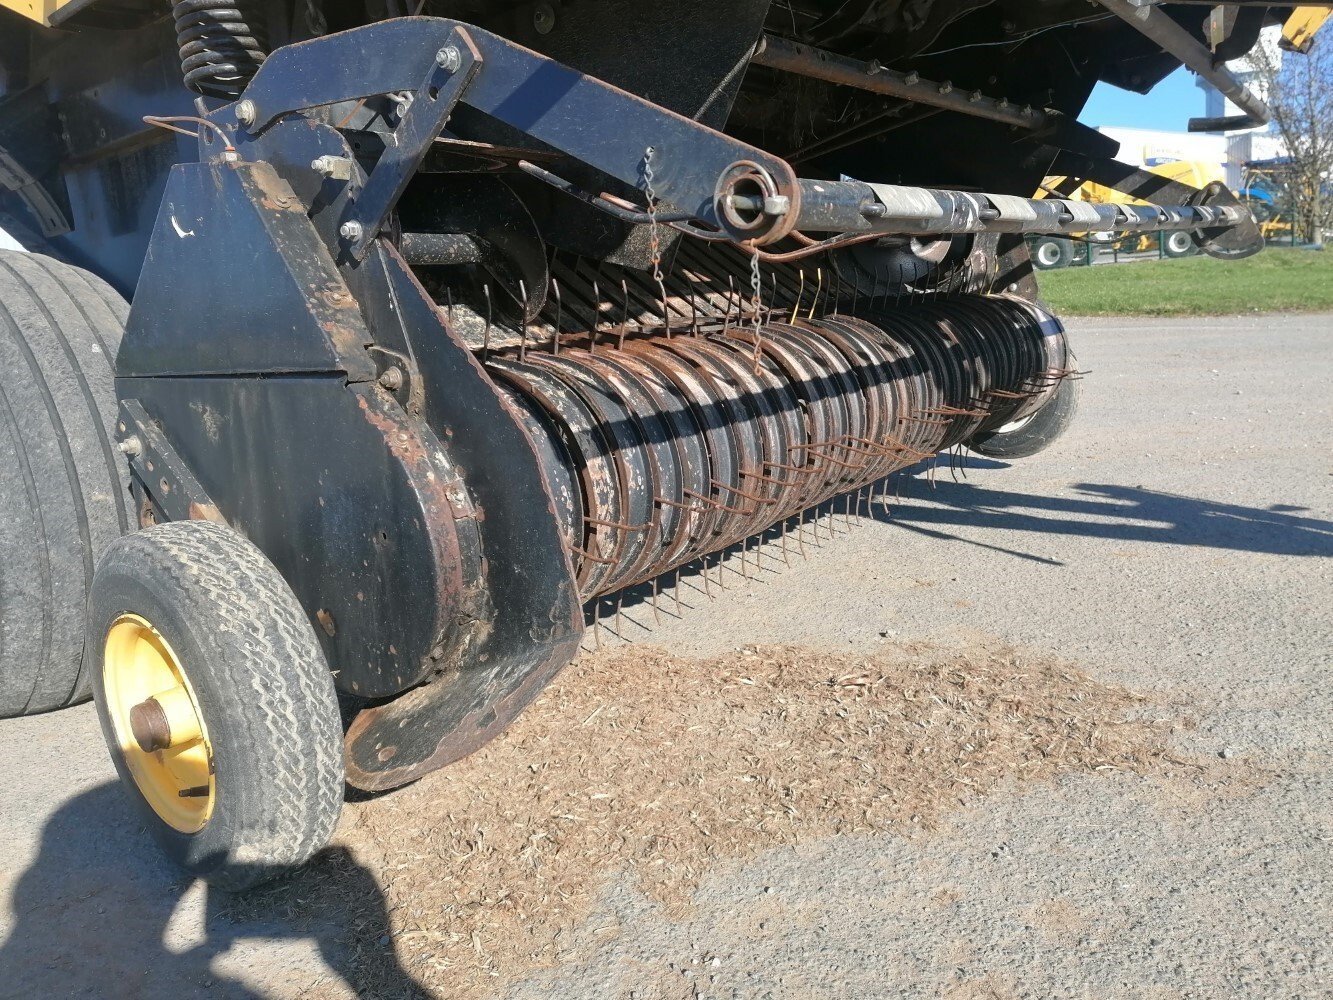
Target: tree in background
{"type": "Point", "coordinates": [1299, 90]}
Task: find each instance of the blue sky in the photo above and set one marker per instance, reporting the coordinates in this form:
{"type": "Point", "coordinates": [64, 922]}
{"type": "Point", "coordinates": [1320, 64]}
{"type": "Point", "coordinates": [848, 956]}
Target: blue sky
{"type": "Point", "coordinates": [1170, 105]}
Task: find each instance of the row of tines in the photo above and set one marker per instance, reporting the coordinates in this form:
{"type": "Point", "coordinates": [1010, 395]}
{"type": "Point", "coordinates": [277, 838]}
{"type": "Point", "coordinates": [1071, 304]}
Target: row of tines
{"type": "Point", "coordinates": [661, 449]}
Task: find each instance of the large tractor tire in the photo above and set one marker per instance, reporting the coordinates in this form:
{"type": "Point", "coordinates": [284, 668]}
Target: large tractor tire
{"type": "Point", "coordinates": [1026, 437]}
{"type": "Point", "coordinates": [216, 702]}
{"type": "Point", "coordinates": [63, 492]}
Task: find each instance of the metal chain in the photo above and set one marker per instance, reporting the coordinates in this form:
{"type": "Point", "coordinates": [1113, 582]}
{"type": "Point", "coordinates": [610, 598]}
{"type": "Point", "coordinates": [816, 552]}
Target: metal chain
{"type": "Point", "coordinates": [314, 18]}
{"type": "Point", "coordinates": [756, 288]}
{"type": "Point", "coordinates": [654, 231]}
{"type": "Point", "coordinates": [655, 236]}
{"type": "Point", "coordinates": [757, 306]}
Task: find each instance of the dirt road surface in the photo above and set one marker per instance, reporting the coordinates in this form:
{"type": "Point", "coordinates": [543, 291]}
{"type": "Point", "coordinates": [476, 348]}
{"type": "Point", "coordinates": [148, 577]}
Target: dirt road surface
{"type": "Point", "coordinates": [1130, 634]}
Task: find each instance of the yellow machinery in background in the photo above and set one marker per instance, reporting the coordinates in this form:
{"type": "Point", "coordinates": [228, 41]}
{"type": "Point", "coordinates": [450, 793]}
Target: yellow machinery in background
{"type": "Point", "coordinates": [46, 12]}
{"type": "Point", "coordinates": [1299, 32]}
{"type": "Point", "coordinates": [1052, 252]}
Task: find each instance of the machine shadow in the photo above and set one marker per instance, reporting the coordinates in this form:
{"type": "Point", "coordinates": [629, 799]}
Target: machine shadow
{"type": "Point", "coordinates": [1120, 513]}
{"type": "Point", "coordinates": [100, 914]}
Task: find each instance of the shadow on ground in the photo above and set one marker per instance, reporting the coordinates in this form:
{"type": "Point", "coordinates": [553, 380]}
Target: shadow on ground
{"type": "Point", "coordinates": [101, 914]}
{"type": "Point", "coordinates": [1120, 513]}
{"type": "Point", "coordinates": [932, 497]}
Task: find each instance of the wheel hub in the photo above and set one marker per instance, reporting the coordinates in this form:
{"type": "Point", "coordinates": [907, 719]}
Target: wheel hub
{"type": "Point", "coordinates": [158, 726]}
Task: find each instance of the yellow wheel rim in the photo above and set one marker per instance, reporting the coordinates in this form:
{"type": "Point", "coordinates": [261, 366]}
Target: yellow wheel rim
{"type": "Point", "coordinates": [158, 726]}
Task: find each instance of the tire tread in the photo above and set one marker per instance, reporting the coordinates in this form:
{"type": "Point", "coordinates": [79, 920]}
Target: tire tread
{"type": "Point", "coordinates": [59, 330]}
{"type": "Point", "coordinates": [266, 646]}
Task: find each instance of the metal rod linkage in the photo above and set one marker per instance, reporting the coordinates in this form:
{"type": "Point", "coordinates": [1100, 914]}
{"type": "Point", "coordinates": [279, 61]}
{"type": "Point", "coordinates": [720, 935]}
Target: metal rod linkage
{"type": "Point", "coordinates": [806, 60]}
{"type": "Point", "coordinates": [1175, 40]}
{"type": "Point", "coordinates": [856, 207]}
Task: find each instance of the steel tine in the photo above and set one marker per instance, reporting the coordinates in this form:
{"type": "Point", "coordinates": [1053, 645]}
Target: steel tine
{"type": "Point", "coordinates": [559, 309]}
{"type": "Point", "coordinates": [596, 316]}
{"type": "Point", "coordinates": [694, 308]}
{"type": "Point", "coordinates": [666, 311]}
{"type": "Point", "coordinates": [624, 314]}
{"type": "Point", "coordinates": [486, 334]}
{"type": "Point", "coordinates": [523, 321]}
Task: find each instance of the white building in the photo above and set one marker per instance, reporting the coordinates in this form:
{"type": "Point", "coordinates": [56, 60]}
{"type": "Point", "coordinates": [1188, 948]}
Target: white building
{"type": "Point", "coordinates": [1251, 144]}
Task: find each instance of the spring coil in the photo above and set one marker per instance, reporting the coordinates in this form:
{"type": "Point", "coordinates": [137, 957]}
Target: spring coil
{"type": "Point", "coordinates": [222, 45]}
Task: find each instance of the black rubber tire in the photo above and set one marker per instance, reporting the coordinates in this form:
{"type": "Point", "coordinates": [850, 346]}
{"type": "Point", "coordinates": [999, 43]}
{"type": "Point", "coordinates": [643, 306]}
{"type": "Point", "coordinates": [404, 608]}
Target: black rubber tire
{"type": "Point", "coordinates": [263, 688]}
{"type": "Point", "coordinates": [1178, 243]}
{"type": "Point", "coordinates": [1049, 253]}
{"type": "Point", "coordinates": [1037, 432]}
{"type": "Point", "coordinates": [63, 490]}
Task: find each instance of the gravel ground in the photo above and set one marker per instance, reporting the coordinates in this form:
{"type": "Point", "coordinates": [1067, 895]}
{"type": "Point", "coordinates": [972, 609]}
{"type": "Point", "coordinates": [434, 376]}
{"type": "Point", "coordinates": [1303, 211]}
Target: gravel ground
{"type": "Point", "coordinates": [1176, 542]}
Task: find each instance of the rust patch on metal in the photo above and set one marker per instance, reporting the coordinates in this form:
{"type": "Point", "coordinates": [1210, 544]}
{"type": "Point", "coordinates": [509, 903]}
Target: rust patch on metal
{"type": "Point", "coordinates": [206, 512]}
{"type": "Point", "coordinates": [330, 303]}
{"type": "Point", "coordinates": [464, 610]}
{"type": "Point", "coordinates": [468, 733]}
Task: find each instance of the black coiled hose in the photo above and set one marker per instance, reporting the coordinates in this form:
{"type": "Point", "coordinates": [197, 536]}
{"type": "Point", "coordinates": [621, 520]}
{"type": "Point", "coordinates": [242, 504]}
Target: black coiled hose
{"type": "Point", "coordinates": [222, 44]}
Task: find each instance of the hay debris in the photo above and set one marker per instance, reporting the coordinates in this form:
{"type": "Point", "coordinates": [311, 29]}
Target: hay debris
{"type": "Point", "coordinates": [638, 762]}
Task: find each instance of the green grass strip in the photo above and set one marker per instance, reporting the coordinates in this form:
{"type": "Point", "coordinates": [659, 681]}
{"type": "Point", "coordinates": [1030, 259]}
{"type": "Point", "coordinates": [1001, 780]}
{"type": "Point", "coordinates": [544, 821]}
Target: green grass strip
{"type": "Point", "coordinates": [1277, 280]}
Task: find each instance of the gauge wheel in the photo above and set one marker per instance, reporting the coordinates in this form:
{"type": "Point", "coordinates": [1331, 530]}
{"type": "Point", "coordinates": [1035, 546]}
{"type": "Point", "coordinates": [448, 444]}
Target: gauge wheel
{"type": "Point", "coordinates": [1178, 243]}
{"type": "Point", "coordinates": [215, 701]}
{"type": "Point", "coordinates": [1024, 438]}
{"type": "Point", "coordinates": [1050, 253]}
